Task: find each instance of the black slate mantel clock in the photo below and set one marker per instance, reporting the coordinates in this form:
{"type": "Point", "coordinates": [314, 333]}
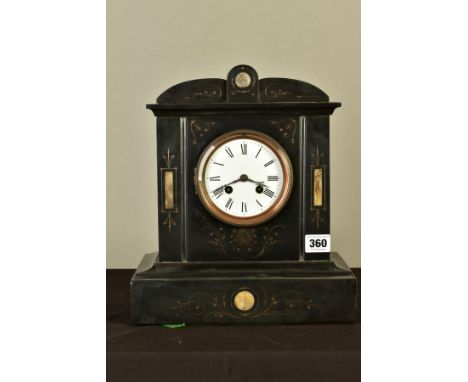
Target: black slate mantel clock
{"type": "Point", "coordinates": [244, 207]}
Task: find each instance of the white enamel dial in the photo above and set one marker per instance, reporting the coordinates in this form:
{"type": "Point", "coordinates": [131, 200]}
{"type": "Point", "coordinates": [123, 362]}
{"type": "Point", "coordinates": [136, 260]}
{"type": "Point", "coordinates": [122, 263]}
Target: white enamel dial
{"type": "Point", "coordinates": [244, 178]}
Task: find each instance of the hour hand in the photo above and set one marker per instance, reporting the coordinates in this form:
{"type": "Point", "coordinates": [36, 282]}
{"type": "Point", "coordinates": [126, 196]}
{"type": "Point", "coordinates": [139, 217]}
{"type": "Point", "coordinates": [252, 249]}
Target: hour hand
{"type": "Point", "coordinates": [234, 181]}
{"type": "Point", "coordinates": [218, 191]}
{"type": "Point", "coordinates": [227, 184]}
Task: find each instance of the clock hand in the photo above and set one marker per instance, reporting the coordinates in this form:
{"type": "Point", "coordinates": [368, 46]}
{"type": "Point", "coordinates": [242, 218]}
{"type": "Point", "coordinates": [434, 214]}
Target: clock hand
{"type": "Point", "coordinates": [225, 185]}
{"type": "Point", "coordinates": [242, 178]}
{"type": "Point", "coordinates": [257, 183]}
{"type": "Point", "coordinates": [234, 181]}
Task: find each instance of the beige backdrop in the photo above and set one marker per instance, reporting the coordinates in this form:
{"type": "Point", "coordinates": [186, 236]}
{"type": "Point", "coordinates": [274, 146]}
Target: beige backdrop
{"type": "Point", "coordinates": [152, 45]}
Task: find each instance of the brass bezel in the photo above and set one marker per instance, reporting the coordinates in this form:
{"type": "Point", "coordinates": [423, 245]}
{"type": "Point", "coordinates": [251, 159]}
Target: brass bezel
{"type": "Point", "coordinates": [265, 215]}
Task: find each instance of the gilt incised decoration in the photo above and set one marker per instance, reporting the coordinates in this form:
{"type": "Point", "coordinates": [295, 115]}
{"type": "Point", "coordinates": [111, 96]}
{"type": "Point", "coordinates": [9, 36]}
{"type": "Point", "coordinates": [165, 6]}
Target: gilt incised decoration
{"type": "Point", "coordinates": [277, 92]}
{"type": "Point", "coordinates": [168, 190]}
{"type": "Point", "coordinates": [249, 243]}
{"type": "Point", "coordinates": [169, 221]}
{"type": "Point", "coordinates": [168, 158]}
{"type": "Point", "coordinates": [287, 128]}
{"type": "Point", "coordinates": [199, 128]}
{"type": "Point", "coordinates": [317, 157]}
{"type": "Point", "coordinates": [211, 92]}
{"type": "Point", "coordinates": [270, 303]}
{"type": "Point", "coordinates": [317, 187]}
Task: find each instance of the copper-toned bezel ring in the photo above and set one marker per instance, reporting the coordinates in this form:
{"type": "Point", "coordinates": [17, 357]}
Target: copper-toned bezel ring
{"type": "Point", "coordinates": [251, 220]}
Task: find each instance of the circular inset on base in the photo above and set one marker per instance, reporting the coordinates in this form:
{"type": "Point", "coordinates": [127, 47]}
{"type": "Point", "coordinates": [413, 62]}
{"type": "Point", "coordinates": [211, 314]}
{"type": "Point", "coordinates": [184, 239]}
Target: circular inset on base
{"type": "Point", "coordinates": [244, 300]}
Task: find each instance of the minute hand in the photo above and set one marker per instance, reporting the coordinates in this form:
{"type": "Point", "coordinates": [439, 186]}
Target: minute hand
{"type": "Point", "coordinates": [258, 183]}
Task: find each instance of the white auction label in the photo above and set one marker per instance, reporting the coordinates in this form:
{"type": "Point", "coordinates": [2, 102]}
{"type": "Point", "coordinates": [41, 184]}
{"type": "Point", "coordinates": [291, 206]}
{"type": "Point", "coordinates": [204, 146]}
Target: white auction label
{"type": "Point", "coordinates": [317, 243]}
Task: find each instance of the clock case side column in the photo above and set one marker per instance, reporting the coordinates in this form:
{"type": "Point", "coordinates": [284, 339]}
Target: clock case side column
{"type": "Point", "coordinates": [317, 180]}
{"type": "Point", "coordinates": [170, 182]}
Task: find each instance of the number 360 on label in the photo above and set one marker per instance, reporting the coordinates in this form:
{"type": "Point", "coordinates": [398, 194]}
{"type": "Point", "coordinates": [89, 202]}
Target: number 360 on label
{"type": "Point", "coordinates": [317, 243]}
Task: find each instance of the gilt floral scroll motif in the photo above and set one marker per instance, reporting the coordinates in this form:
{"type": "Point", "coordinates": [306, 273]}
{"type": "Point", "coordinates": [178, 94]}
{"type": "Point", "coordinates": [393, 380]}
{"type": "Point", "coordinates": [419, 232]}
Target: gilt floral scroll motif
{"type": "Point", "coordinates": [269, 303]}
{"type": "Point", "coordinates": [211, 93]}
{"type": "Point", "coordinates": [244, 243]}
{"type": "Point", "coordinates": [199, 128]}
{"type": "Point", "coordinates": [286, 128]}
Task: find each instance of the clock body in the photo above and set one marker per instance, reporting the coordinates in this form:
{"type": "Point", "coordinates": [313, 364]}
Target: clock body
{"type": "Point", "coordinates": [243, 169]}
{"type": "Point", "coordinates": [193, 118]}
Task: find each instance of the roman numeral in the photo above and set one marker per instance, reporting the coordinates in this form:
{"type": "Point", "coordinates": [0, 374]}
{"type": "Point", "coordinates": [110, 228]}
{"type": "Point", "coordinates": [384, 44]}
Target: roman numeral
{"type": "Point", "coordinates": [259, 152]}
{"type": "Point", "coordinates": [218, 192]}
{"type": "Point", "coordinates": [260, 204]}
{"type": "Point", "coordinates": [272, 178]}
{"type": "Point", "coordinates": [215, 178]}
{"type": "Point", "coordinates": [228, 150]}
{"type": "Point", "coordinates": [268, 192]}
{"type": "Point", "coordinates": [219, 164]}
{"type": "Point", "coordinates": [244, 207]}
{"type": "Point", "coordinates": [229, 203]}
{"type": "Point", "coordinates": [268, 163]}
{"type": "Point", "coordinates": [244, 148]}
